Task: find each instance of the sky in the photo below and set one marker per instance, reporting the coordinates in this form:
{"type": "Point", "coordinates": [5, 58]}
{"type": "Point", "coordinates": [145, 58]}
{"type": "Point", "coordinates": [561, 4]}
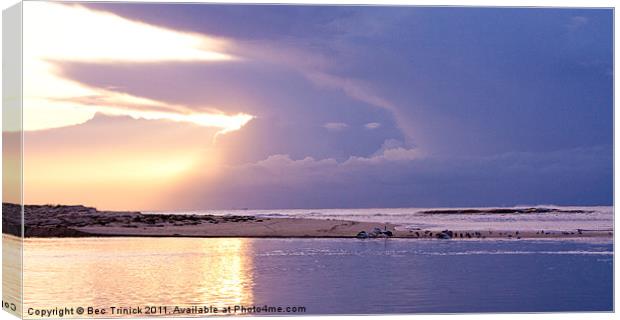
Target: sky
{"type": "Point", "coordinates": [133, 106]}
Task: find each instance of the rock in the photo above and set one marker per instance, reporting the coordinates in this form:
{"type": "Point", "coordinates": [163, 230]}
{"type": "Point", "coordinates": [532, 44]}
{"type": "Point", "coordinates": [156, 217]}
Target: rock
{"type": "Point", "coordinates": [448, 232]}
{"type": "Point", "coordinates": [443, 235]}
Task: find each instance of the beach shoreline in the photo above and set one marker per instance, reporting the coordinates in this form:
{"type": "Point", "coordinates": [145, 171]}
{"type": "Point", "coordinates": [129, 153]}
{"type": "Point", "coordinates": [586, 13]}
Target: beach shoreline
{"type": "Point", "coordinates": [55, 221]}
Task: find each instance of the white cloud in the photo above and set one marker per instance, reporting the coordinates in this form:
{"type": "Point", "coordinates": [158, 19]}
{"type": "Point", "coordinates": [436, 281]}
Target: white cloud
{"type": "Point", "coordinates": [372, 125]}
{"type": "Point", "coordinates": [361, 91]}
{"type": "Point", "coordinates": [71, 33]}
{"type": "Point", "coordinates": [335, 126]}
{"type": "Point", "coordinates": [391, 151]}
{"type": "Point", "coordinates": [398, 176]}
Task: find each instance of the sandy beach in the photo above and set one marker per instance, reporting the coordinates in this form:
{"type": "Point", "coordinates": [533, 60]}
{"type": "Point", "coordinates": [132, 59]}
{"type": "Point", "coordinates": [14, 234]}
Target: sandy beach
{"type": "Point", "coordinates": [81, 221]}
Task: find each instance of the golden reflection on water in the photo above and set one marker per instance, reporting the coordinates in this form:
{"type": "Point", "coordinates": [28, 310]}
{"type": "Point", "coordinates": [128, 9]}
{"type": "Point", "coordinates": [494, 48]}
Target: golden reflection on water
{"type": "Point", "coordinates": [11, 274]}
{"type": "Point", "coordinates": [133, 272]}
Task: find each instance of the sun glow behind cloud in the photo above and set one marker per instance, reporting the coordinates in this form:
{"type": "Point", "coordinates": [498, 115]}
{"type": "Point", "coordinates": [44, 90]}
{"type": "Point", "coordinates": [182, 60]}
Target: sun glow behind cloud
{"type": "Point", "coordinates": [129, 162]}
{"type": "Point", "coordinates": [70, 33]}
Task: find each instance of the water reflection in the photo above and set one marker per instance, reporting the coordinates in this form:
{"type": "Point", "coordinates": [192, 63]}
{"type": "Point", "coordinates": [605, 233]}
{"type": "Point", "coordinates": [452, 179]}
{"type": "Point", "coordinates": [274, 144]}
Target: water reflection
{"type": "Point", "coordinates": [137, 272]}
{"type": "Point", "coordinates": [325, 276]}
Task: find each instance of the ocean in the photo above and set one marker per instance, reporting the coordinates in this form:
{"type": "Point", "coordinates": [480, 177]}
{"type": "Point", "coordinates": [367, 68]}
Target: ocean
{"type": "Point", "coordinates": [567, 218]}
{"type": "Point", "coordinates": [330, 276]}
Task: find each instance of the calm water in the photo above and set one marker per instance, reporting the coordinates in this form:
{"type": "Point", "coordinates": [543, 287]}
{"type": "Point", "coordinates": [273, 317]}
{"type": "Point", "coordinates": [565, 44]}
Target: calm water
{"type": "Point", "coordinates": [322, 275]}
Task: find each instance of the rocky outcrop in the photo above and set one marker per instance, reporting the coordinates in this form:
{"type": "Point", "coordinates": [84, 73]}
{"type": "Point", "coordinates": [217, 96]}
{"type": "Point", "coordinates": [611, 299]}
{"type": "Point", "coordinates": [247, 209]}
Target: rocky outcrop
{"type": "Point", "coordinates": [65, 221]}
{"type": "Point", "coordinates": [502, 211]}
